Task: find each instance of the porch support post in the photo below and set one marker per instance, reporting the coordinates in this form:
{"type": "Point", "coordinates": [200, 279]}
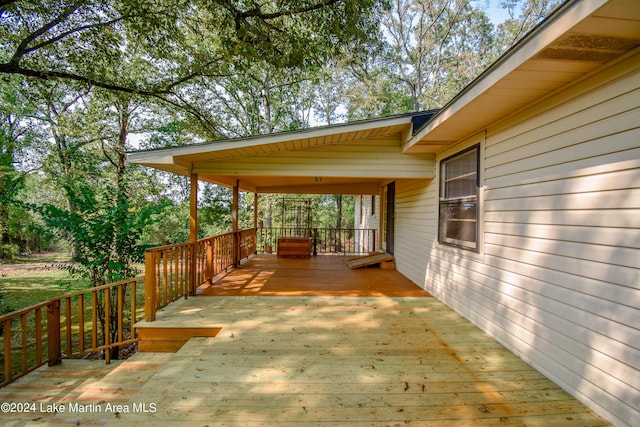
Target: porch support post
{"type": "Point", "coordinates": [193, 233]}
{"type": "Point", "coordinates": [255, 220]}
{"type": "Point", "coordinates": [255, 210]}
{"type": "Point", "coordinates": [193, 208]}
{"type": "Point", "coordinates": [235, 229]}
{"type": "Point", "coordinates": [381, 215]}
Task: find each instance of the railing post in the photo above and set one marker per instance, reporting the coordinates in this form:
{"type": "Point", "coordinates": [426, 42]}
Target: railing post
{"type": "Point", "coordinates": [315, 241]}
{"type": "Point", "coordinates": [193, 273]}
{"type": "Point", "coordinates": [374, 240]}
{"type": "Point", "coordinates": [149, 286]}
{"type": "Point", "coordinates": [236, 248]}
{"type": "Point", "coordinates": [53, 333]}
{"type": "Point", "coordinates": [209, 267]}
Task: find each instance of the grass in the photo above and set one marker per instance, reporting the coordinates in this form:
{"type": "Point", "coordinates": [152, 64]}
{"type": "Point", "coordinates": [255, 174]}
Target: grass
{"type": "Point", "coordinates": [31, 280]}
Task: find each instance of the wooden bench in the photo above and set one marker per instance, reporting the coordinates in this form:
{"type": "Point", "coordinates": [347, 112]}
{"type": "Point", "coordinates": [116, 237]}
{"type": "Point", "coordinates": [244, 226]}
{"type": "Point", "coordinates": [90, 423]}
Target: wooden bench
{"type": "Point", "coordinates": [294, 247]}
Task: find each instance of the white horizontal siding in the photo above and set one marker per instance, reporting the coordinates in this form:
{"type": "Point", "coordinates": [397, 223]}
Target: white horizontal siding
{"type": "Point", "coordinates": [572, 288]}
{"type": "Point", "coordinates": [557, 277]}
{"type": "Point", "coordinates": [415, 226]}
{"type": "Point", "coordinates": [366, 218]}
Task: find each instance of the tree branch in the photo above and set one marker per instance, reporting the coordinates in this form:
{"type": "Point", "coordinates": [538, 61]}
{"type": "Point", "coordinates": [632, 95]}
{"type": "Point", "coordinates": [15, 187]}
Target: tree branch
{"type": "Point", "coordinates": [73, 31]}
{"type": "Point", "coordinates": [257, 12]}
{"type": "Point", "coordinates": [47, 75]}
{"type": "Point", "coordinates": [22, 47]}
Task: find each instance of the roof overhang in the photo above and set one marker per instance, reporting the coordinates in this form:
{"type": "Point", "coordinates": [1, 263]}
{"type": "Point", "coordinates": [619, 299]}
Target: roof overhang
{"type": "Point", "coordinates": [354, 158]}
{"type": "Point", "coordinates": [577, 38]}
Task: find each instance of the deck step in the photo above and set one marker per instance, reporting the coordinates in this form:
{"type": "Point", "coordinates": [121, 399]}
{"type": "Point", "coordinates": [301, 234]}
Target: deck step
{"type": "Point", "coordinates": [369, 260]}
{"type": "Point", "coordinates": [169, 340]}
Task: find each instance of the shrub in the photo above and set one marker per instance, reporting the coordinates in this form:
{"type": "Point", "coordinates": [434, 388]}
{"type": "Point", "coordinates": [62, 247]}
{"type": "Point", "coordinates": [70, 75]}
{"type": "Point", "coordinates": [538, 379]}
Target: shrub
{"type": "Point", "coordinates": [9, 252]}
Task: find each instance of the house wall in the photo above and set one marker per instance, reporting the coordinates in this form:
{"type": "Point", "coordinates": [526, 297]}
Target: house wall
{"type": "Point", "coordinates": [557, 275]}
{"type": "Point", "coordinates": [366, 218]}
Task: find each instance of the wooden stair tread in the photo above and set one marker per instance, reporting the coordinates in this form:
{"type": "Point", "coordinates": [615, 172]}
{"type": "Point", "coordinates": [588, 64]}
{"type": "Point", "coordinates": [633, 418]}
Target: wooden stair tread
{"type": "Point", "coordinates": [170, 339]}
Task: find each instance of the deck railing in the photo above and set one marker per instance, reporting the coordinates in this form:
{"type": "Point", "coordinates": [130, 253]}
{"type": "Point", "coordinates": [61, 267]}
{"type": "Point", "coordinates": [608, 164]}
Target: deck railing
{"type": "Point", "coordinates": [347, 241]}
{"type": "Point", "coordinates": [70, 326]}
{"type": "Point", "coordinates": [175, 271]}
{"type": "Point", "coordinates": [101, 318]}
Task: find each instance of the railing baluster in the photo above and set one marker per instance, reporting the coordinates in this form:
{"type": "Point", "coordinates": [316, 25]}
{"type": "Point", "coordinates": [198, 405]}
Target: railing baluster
{"type": "Point", "coordinates": [165, 281]}
{"type": "Point", "coordinates": [38, 320]}
{"type": "Point", "coordinates": [81, 323]}
{"type": "Point", "coordinates": [134, 308]}
{"type": "Point", "coordinates": [8, 369]}
{"type": "Point", "coordinates": [177, 288]}
{"type": "Point", "coordinates": [23, 326]}
{"type": "Point", "coordinates": [120, 310]}
{"type": "Point", "coordinates": [67, 323]}
{"type": "Point", "coordinates": [107, 324]}
{"type": "Point", "coordinates": [94, 319]}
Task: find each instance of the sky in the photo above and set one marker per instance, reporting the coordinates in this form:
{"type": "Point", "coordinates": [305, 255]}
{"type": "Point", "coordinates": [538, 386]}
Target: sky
{"type": "Point", "coordinates": [493, 10]}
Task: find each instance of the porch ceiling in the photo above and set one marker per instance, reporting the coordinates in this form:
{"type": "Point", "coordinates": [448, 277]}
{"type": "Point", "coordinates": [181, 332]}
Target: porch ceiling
{"type": "Point", "coordinates": [577, 39]}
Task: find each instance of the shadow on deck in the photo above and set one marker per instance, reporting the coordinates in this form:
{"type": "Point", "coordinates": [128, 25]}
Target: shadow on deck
{"type": "Point", "coordinates": [338, 351]}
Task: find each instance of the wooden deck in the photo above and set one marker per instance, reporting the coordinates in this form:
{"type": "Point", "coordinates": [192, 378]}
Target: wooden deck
{"type": "Point", "coordinates": [326, 275]}
{"type": "Point", "coordinates": [306, 360]}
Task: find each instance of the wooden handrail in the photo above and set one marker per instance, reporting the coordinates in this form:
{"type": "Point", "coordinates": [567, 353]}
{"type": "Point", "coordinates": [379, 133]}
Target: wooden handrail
{"type": "Point", "coordinates": [69, 331]}
{"type": "Point", "coordinates": [96, 319]}
{"type": "Point", "coordinates": [175, 271]}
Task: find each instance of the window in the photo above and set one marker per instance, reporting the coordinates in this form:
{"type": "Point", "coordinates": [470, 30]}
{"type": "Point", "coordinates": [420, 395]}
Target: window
{"type": "Point", "coordinates": [459, 182]}
{"type": "Point", "coordinates": [373, 205]}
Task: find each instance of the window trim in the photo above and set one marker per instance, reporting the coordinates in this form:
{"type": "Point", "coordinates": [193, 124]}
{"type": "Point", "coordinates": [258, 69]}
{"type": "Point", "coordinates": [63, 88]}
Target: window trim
{"type": "Point", "coordinates": [463, 244]}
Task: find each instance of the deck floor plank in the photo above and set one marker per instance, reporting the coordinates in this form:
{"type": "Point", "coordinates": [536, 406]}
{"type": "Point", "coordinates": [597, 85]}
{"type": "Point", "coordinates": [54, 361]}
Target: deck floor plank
{"type": "Point", "coordinates": [308, 359]}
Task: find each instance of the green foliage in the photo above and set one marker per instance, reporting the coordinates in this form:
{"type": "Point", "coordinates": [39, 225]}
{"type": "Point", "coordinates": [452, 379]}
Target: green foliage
{"type": "Point", "coordinates": [175, 51]}
{"type": "Point", "coordinates": [170, 228]}
{"type": "Point", "coordinates": [324, 209]}
{"type": "Point", "coordinates": [214, 211]}
{"type": "Point", "coordinates": [523, 16]}
{"type": "Point", "coordinates": [9, 251]}
{"type": "Point", "coordinates": [105, 233]}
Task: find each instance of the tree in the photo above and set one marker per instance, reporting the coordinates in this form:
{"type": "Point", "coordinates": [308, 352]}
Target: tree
{"type": "Point", "coordinates": [105, 231]}
{"type": "Point", "coordinates": [330, 93]}
{"type": "Point", "coordinates": [15, 133]}
{"type": "Point", "coordinates": [523, 16]}
{"type": "Point", "coordinates": [436, 47]}
{"type": "Point", "coordinates": [181, 47]}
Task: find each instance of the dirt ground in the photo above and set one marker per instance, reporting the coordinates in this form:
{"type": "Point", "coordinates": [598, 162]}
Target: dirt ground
{"type": "Point", "coordinates": [28, 265]}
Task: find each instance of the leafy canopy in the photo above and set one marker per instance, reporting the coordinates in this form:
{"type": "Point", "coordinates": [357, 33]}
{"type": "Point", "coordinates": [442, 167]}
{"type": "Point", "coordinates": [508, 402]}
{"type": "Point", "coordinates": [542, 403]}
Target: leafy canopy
{"type": "Point", "coordinates": [177, 42]}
